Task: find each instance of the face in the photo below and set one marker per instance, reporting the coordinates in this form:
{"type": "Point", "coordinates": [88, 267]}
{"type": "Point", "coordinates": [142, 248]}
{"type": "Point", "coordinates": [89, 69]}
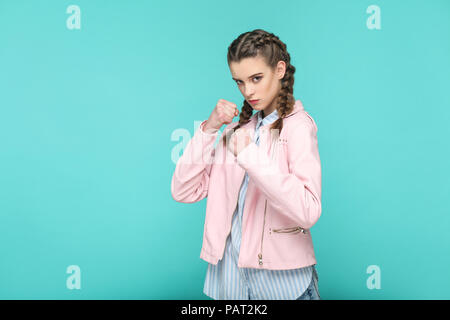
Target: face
{"type": "Point", "coordinates": [257, 81]}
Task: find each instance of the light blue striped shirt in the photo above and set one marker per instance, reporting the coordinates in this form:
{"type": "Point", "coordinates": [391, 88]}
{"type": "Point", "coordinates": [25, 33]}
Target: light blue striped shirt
{"type": "Point", "coordinates": [226, 281]}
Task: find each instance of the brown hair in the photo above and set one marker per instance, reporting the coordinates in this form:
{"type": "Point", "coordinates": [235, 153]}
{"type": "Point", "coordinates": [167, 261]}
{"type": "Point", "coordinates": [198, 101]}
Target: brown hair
{"type": "Point", "coordinates": [267, 45]}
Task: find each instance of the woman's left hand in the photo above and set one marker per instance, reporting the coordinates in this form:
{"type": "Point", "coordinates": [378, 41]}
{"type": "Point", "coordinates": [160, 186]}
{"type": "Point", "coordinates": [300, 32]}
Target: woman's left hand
{"type": "Point", "coordinates": [240, 139]}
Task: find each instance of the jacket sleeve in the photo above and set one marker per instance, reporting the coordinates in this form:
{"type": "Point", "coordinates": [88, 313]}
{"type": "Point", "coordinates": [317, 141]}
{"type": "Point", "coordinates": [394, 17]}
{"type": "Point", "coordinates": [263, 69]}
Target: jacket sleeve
{"type": "Point", "coordinates": [190, 179]}
{"type": "Point", "coordinates": [296, 194]}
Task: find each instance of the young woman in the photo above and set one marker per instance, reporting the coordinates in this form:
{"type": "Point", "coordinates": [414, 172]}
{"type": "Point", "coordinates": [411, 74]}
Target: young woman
{"type": "Point", "coordinates": [263, 181]}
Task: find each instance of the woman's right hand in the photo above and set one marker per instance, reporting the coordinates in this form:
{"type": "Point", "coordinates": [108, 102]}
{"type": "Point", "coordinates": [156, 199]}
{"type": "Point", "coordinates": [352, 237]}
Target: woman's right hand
{"type": "Point", "coordinates": [223, 113]}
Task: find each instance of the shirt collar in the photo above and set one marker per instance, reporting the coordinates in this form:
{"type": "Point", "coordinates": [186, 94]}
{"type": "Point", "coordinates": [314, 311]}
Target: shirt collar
{"type": "Point", "coordinates": [270, 118]}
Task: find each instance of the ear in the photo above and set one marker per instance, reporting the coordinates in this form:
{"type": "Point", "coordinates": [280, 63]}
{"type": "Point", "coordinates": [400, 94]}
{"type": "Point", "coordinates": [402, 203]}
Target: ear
{"type": "Point", "coordinates": [281, 69]}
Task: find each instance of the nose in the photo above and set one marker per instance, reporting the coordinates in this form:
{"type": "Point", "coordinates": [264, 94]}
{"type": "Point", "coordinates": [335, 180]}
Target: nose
{"type": "Point", "coordinates": [248, 91]}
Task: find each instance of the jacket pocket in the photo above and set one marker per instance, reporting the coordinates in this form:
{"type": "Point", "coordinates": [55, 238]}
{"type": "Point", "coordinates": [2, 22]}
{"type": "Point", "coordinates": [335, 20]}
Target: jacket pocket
{"type": "Point", "coordinates": [294, 230]}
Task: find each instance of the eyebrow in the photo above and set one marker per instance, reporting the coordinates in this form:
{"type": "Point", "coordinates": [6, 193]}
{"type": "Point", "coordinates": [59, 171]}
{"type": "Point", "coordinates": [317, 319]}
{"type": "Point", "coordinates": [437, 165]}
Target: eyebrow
{"type": "Point", "coordinates": [250, 76]}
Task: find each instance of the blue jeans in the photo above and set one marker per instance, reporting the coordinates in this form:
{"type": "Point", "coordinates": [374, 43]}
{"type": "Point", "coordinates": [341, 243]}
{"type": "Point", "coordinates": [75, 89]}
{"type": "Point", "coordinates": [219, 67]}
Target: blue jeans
{"type": "Point", "coordinates": [312, 292]}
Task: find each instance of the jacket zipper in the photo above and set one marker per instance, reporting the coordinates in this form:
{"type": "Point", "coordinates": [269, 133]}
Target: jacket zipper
{"type": "Point", "coordinates": [296, 229]}
{"type": "Point", "coordinates": [262, 236]}
{"type": "Point", "coordinates": [260, 261]}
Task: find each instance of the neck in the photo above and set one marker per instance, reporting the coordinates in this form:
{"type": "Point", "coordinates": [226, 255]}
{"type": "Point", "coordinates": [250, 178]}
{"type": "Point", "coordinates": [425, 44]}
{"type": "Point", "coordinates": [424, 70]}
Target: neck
{"type": "Point", "coordinates": [266, 112]}
{"type": "Point", "coordinates": [270, 108]}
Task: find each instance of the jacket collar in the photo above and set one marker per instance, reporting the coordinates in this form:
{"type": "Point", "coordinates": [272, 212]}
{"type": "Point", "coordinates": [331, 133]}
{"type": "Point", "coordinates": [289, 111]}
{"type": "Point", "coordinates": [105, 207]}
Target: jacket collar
{"type": "Point", "coordinates": [298, 106]}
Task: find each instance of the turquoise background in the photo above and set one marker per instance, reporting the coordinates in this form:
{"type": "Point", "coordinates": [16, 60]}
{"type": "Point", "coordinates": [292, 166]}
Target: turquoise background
{"type": "Point", "coordinates": [86, 124]}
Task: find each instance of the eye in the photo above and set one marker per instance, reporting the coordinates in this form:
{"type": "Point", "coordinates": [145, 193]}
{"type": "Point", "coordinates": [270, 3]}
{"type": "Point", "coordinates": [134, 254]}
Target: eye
{"type": "Point", "coordinates": [257, 77]}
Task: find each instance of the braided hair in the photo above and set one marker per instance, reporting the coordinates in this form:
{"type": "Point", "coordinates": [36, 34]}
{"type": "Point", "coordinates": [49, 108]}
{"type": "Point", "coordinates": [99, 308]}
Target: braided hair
{"type": "Point", "coordinates": [267, 45]}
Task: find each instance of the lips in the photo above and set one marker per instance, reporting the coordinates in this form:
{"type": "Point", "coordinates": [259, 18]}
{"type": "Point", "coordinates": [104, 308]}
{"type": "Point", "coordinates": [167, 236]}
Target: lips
{"type": "Point", "coordinates": [253, 101]}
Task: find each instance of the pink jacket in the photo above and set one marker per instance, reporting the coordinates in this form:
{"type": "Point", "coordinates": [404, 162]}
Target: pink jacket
{"type": "Point", "coordinates": [283, 199]}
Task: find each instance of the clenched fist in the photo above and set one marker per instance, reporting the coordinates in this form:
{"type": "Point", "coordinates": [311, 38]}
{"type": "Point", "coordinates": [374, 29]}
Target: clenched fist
{"type": "Point", "coordinates": [240, 139]}
{"type": "Point", "coordinates": [223, 113]}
